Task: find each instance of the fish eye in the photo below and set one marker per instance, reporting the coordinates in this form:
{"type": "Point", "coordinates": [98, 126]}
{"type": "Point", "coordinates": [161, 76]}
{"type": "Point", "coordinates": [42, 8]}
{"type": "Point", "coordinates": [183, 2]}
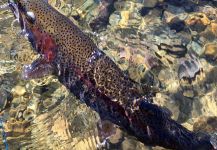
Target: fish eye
{"type": "Point", "coordinates": [30, 16]}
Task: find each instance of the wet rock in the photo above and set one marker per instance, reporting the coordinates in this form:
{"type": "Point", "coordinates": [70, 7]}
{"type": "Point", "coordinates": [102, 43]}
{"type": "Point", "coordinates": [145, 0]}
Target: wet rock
{"type": "Point", "coordinates": [213, 28]}
{"type": "Point", "coordinates": [144, 11]}
{"type": "Point", "coordinates": [210, 11]}
{"type": "Point", "coordinates": [197, 22]}
{"type": "Point", "coordinates": [189, 68]}
{"type": "Point", "coordinates": [208, 105]}
{"type": "Point", "coordinates": [168, 102]}
{"type": "Point", "coordinates": [196, 47]}
{"type": "Point", "coordinates": [189, 93]}
{"type": "Point", "coordinates": [177, 2]}
{"type": "Point", "coordinates": [129, 144]}
{"type": "Point", "coordinates": [135, 74]}
{"type": "Point", "coordinates": [48, 102]}
{"type": "Point", "coordinates": [209, 76]}
{"type": "Point", "coordinates": [5, 99]}
{"type": "Point", "coordinates": [190, 8]}
{"type": "Point", "coordinates": [15, 128]}
{"type": "Point", "coordinates": [12, 113]}
{"type": "Point", "coordinates": [105, 129]}
{"type": "Point", "coordinates": [206, 124]}
{"type": "Point", "coordinates": [176, 24]}
{"type": "Point", "coordinates": [114, 18]}
{"type": "Point", "coordinates": [210, 51]}
{"type": "Point", "coordinates": [208, 34]}
{"type": "Point", "coordinates": [29, 114]}
{"type": "Point", "coordinates": [123, 5]}
{"type": "Point", "coordinates": [126, 14]}
{"type": "Point", "coordinates": [19, 90]}
{"type": "Point", "coordinates": [168, 16]}
{"type": "Point", "coordinates": [106, 8]}
{"type": "Point", "coordinates": [150, 3]}
{"type": "Point", "coordinates": [168, 80]}
{"type": "Point", "coordinates": [177, 50]}
{"type": "Point", "coordinates": [148, 60]}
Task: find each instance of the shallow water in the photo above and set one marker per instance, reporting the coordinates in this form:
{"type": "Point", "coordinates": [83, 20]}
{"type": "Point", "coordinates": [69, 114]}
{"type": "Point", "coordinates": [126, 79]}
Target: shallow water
{"type": "Point", "coordinates": [167, 44]}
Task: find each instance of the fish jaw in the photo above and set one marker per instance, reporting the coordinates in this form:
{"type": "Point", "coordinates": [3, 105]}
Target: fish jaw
{"type": "Point", "coordinates": [47, 49]}
{"type": "Point", "coordinates": [42, 42]}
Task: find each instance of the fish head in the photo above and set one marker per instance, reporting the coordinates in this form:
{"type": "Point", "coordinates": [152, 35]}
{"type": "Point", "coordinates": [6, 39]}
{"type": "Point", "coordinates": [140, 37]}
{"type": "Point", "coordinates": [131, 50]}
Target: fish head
{"type": "Point", "coordinates": [42, 42]}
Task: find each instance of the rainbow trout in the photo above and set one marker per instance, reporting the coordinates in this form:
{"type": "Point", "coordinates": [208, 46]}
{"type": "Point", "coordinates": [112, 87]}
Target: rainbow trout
{"type": "Point", "coordinates": [96, 80]}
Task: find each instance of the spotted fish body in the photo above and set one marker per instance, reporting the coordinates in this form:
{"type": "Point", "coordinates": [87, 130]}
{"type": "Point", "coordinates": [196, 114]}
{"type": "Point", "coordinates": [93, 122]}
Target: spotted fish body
{"type": "Point", "coordinates": [79, 53]}
{"type": "Point", "coordinates": [96, 80]}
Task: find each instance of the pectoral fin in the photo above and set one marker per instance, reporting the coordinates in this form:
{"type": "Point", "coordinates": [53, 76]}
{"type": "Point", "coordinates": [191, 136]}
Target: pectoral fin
{"type": "Point", "coordinates": [39, 68]}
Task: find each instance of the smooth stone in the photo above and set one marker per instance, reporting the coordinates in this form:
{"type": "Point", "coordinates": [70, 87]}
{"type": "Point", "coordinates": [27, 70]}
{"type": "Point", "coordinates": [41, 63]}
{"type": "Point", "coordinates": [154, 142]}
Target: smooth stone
{"type": "Point", "coordinates": [188, 93]}
{"type": "Point", "coordinates": [150, 3]}
{"type": "Point", "coordinates": [178, 50]}
{"type": "Point", "coordinates": [48, 102]}
{"type": "Point", "coordinates": [168, 102]}
{"type": "Point", "coordinates": [114, 19]}
{"type": "Point", "coordinates": [176, 24]}
{"type": "Point", "coordinates": [209, 76]}
{"type": "Point", "coordinates": [196, 47]}
{"type": "Point", "coordinates": [177, 2]}
{"type": "Point", "coordinates": [168, 16]}
{"type": "Point", "coordinates": [206, 124]}
{"type": "Point", "coordinates": [213, 27]}
{"type": "Point", "coordinates": [197, 22]}
{"type": "Point", "coordinates": [209, 11]}
{"type": "Point", "coordinates": [5, 98]}
{"type": "Point", "coordinates": [210, 51]}
{"type": "Point", "coordinates": [19, 90]}
{"type": "Point", "coordinates": [208, 34]}
{"type": "Point", "coordinates": [29, 114]}
{"type": "Point", "coordinates": [144, 11]}
{"type": "Point", "coordinates": [208, 104]}
{"type": "Point", "coordinates": [188, 69]}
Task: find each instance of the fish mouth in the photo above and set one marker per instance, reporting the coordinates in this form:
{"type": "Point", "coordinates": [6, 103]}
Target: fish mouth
{"type": "Point", "coordinates": [39, 67]}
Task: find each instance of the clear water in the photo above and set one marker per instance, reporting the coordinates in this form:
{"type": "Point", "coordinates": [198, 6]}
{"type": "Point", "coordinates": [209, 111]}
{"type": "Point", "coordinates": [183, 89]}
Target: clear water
{"type": "Point", "coordinates": [143, 42]}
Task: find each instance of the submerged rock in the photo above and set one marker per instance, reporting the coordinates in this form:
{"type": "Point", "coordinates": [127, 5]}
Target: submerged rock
{"type": "Point", "coordinates": [19, 90]}
{"type": "Point", "coordinates": [177, 2]}
{"type": "Point", "coordinates": [29, 114]}
{"type": "Point", "coordinates": [144, 11]}
{"type": "Point", "coordinates": [197, 22]}
{"type": "Point", "coordinates": [106, 8]}
{"type": "Point", "coordinates": [213, 27]}
{"type": "Point", "coordinates": [189, 68]}
{"type": "Point", "coordinates": [5, 99]}
{"type": "Point", "coordinates": [150, 3]}
{"type": "Point", "coordinates": [176, 24]}
{"type": "Point", "coordinates": [208, 104]}
{"type": "Point", "coordinates": [177, 50]}
{"type": "Point", "coordinates": [210, 51]}
{"type": "Point", "coordinates": [206, 124]}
